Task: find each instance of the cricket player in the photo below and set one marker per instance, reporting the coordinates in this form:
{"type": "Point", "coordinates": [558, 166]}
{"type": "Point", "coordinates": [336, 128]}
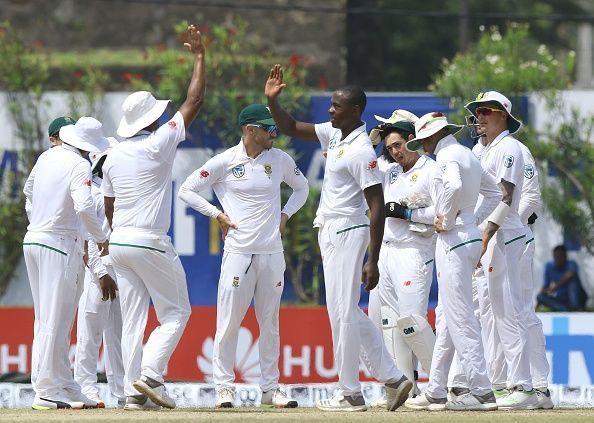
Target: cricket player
{"type": "Point", "coordinates": [137, 185]}
{"type": "Point", "coordinates": [457, 253]}
{"type": "Point", "coordinates": [99, 313]}
{"type": "Point", "coordinates": [352, 183]}
{"type": "Point", "coordinates": [407, 254]}
{"type": "Point", "coordinates": [501, 156]}
{"type": "Point", "coordinates": [246, 179]}
{"type": "Point", "coordinates": [59, 192]}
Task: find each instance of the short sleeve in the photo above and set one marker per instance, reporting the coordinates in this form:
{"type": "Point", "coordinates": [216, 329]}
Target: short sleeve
{"type": "Point", "coordinates": [106, 185]}
{"type": "Point", "coordinates": [324, 132]}
{"type": "Point", "coordinates": [510, 163]}
{"type": "Point", "coordinates": [163, 143]}
{"type": "Point", "coordinates": [364, 169]}
{"type": "Point", "coordinates": [572, 266]}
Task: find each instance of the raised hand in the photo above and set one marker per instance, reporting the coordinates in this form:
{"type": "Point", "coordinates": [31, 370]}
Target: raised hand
{"type": "Point", "coordinates": [193, 40]}
{"type": "Point", "coordinates": [274, 84]}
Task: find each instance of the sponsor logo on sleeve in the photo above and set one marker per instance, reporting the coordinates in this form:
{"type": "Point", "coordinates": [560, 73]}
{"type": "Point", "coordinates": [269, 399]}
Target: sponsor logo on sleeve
{"type": "Point", "coordinates": [508, 161]}
{"type": "Point", "coordinates": [87, 182]}
{"type": "Point", "coordinates": [204, 174]}
{"type": "Point", "coordinates": [238, 171]}
{"type": "Point", "coordinates": [372, 165]}
{"type": "Point", "coordinates": [528, 171]}
{"type": "Point", "coordinates": [172, 124]}
{"type": "Point", "coordinates": [297, 171]}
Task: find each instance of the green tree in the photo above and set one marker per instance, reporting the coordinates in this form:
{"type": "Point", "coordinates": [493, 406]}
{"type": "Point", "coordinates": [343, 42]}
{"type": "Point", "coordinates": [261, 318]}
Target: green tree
{"type": "Point", "coordinates": [516, 65]}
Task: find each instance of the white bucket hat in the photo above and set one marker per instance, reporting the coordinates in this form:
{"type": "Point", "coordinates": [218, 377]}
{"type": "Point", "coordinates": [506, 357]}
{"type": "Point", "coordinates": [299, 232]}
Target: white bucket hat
{"type": "Point", "coordinates": [398, 115]}
{"type": "Point", "coordinates": [513, 124]}
{"type": "Point", "coordinates": [429, 124]}
{"type": "Point", "coordinates": [95, 158]}
{"type": "Point", "coordinates": [85, 134]}
{"type": "Point", "coordinates": [140, 110]}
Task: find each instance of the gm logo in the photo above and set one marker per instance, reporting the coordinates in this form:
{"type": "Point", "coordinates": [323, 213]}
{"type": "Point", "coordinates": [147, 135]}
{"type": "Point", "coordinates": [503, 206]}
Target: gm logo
{"type": "Point", "coordinates": [409, 331]}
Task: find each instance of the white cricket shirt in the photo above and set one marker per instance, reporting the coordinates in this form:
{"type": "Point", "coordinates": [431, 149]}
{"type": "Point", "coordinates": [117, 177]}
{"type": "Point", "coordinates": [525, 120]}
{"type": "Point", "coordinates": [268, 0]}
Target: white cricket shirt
{"type": "Point", "coordinates": [137, 172]}
{"type": "Point", "coordinates": [530, 200]}
{"type": "Point", "coordinates": [59, 190]}
{"type": "Point", "coordinates": [249, 191]}
{"type": "Point", "coordinates": [351, 166]}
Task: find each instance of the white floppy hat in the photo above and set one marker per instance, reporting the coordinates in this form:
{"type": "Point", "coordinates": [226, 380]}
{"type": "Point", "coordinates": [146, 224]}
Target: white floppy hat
{"type": "Point", "coordinates": [429, 124]}
{"type": "Point", "coordinates": [513, 124]}
{"type": "Point", "coordinates": [140, 110]}
{"type": "Point", "coordinates": [398, 115]}
{"type": "Point", "coordinates": [85, 134]}
{"type": "Point", "coordinates": [95, 158]}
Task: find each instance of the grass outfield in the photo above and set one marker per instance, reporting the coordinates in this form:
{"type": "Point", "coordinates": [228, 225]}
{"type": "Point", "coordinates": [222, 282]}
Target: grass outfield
{"type": "Point", "coordinates": [300, 415]}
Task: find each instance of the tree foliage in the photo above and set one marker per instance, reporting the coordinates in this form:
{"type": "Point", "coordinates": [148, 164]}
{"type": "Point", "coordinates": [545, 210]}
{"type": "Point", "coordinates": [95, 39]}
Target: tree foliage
{"type": "Point", "coordinates": [515, 65]}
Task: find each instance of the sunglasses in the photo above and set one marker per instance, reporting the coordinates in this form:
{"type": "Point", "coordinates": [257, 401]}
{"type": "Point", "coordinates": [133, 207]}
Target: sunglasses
{"type": "Point", "coordinates": [486, 111]}
{"type": "Point", "coordinates": [271, 129]}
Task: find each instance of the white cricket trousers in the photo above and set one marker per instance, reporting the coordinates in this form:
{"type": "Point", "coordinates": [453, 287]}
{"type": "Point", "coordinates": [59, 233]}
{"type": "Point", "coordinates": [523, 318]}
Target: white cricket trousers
{"type": "Point", "coordinates": [456, 255]}
{"type": "Point", "coordinates": [53, 263]}
{"type": "Point", "coordinates": [503, 310]}
{"type": "Point", "coordinates": [343, 242]}
{"type": "Point", "coordinates": [243, 277]}
{"type": "Point", "coordinates": [98, 320]}
{"type": "Point", "coordinates": [148, 268]}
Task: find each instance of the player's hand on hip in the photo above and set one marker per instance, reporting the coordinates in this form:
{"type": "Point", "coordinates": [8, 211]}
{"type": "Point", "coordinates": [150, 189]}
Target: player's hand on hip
{"type": "Point", "coordinates": [103, 248]}
{"type": "Point", "coordinates": [283, 223]}
{"type": "Point", "coordinates": [108, 287]}
{"type": "Point", "coordinates": [370, 275]}
{"type": "Point", "coordinates": [274, 84]}
{"type": "Point", "coordinates": [226, 224]}
{"type": "Point", "coordinates": [193, 40]}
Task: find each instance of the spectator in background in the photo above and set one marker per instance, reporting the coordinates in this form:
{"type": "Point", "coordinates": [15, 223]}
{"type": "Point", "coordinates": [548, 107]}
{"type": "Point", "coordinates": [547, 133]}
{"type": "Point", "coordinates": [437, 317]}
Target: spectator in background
{"type": "Point", "coordinates": [562, 290]}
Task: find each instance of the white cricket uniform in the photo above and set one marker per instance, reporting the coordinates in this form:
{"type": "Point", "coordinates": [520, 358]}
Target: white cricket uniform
{"type": "Point", "coordinates": [457, 253]}
{"type": "Point", "coordinates": [501, 290]}
{"type": "Point", "coordinates": [253, 263]}
{"type": "Point", "coordinates": [406, 257]}
{"type": "Point", "coordinates": [98, 320]}
{"type": "Point", "coordinates": [137, 172]}
{"type": "Point", "coordinates": [351, 166]}
{"type": "Point", "coordinates": [59, 191]}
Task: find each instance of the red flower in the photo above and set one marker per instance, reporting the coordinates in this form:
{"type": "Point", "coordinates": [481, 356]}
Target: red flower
{"type": "Point", "coordinates": [204, 29]}
{"type": "Point", "coordinates": [204, 173]}
{"type": "Point", "coordinates": [294, 60]}
{"type": "Point", "coordinates": [161, 47]}
{"type": "Point", "coordinates": [38, 44]}
{"type": "Point", "coordinates": [127, 76]}
{"type": "Point", "coordinates": [77, 74]}
{"type": "Point", "coordinates": [323, 83]}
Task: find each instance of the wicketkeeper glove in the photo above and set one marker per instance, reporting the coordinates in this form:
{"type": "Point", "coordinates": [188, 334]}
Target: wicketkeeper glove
{"type": "Point", "coordinates": [397, 210]}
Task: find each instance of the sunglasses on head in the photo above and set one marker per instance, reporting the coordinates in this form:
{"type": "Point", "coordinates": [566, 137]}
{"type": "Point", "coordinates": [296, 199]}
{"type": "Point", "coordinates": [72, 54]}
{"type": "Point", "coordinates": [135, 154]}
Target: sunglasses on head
{"type": "Point", "coordinates": [271, 129]}
{"type": "Point", "coordinates": [486, 111]}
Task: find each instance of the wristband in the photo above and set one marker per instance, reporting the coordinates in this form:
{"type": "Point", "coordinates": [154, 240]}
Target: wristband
{"type": "Point", "coordinates": [499, 214]}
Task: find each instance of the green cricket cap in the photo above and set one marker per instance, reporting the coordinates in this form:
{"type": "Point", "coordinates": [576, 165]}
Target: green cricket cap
{"type": "Point", "coordinates": [54, 128]}
{"type": "Point", "coordinates": [256, 113]}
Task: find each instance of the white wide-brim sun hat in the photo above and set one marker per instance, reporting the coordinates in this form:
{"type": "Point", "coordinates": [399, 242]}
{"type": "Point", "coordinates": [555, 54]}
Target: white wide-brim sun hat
{"type": "Point", "coordinates": [85, 135]}
{"type": "Point", "coordinates": [95, 158]}
{"type": "Point", "coordinates": [513, 124]}
{"type": "Point", "coordinates": [398, 115]}
{"type": "Point", "coordinates": [140, 110]}
{"type": "Point", "coordinates": [429, 124]}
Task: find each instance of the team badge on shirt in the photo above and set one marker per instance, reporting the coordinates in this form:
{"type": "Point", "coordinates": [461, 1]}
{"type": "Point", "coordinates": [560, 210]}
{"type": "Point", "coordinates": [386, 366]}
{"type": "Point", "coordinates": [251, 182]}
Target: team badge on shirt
{"type": "Point", "coordinates": [414, 177]}
{"type": "Point", "coordinates": [393, 176]}
{"type": "Point", "coordinates": [238, 171]}
{"type": "Point", "coordinates": [340, 153]}
{"type": "Point", "coordinates": [508, 161]}
{"type": "Point", "coordinates": [235, 282]}
{"type": "Point", "coordinates": [268, 169]}
{"type": "Point", "coordinates": [528, 171]}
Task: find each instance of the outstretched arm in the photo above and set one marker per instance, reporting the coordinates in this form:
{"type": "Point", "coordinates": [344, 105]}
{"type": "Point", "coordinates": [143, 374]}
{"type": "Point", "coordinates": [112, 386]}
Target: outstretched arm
{"type": "Point", "coordinates": [195, 97]}
{"type": "Point", "coordinates": [286, 123]}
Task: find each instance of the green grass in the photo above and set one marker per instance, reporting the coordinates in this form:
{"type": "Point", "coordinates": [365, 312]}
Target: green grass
{"type": "Point", "coordinates": [298, 415]}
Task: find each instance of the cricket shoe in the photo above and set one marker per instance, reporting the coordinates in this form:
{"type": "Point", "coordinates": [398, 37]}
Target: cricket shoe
{"type": "Point", "coordinates": [456, 391]}
{"type": "Point", "coordinates": [155, 391]}
{"type": "Point", "coordinates": [139, 402]}
{"type": "Point", "coordinates": [225, 397]}
{"type": "Point", "coordinates": [77, 396]}
{"type": "Point", "coordinates": [519, 399]}
{"type": "Point", "coordinates": [95, 397]}
{"type": "Point", "coordinates": [471, 402]}
{"type": "Point", "coordinates": [425, 401]}
{"type": "Point", "coordinates": [380, 403]}
{"type": "Point", "coordinates": [501, 393]}
{"type": "Point", "coordinates": [59, 401]}
{"type": "Point", "coordinates": [397, 393]}
{"type": "Point", "coordinates": [277, 398]}
{"type": "Point", "coordinates": [339, 402]}
{"type": "Point", "coordinates": [544, 400]}
{"type": "Point", "coordinates": [121, 403]}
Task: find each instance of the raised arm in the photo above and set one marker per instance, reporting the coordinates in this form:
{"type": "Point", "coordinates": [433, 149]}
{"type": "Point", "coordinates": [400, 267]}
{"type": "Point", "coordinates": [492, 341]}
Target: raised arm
{"type": "Point", "coordinates": [195, 97]}
{"type": "Point", "coordinates": [286, 123]}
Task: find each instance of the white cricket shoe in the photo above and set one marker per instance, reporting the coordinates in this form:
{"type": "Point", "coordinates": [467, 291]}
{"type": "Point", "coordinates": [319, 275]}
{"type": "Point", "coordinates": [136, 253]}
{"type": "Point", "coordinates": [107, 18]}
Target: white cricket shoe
{"type": "Point", "coordinates": [77, 396]}
{"type": "Point", "coordinates": [59, 401]}
{"type": "Point", "coordinates": [471, 402]}
{"type": "Point", "coordinates": [277, 398]}
{"type": "Point", "coordinates": [424, 401]}
{"type": "Point", "coordinates": [155, 391]}
{"type": "Point", "coordinates": [397, 393]}
{"type": "Point", "coordinates": [544, 400]}
{"type": "Point", "coordinates": [340, 402]}
{"type": "Point", "coordinates": [225, 397]}
{"type": "Point", "coordinates": [380, 403]}
{"type": "Point", "coordinates": [139, 402]}
{"type": "Point", "coordinates": [455, 391]}
{"type": "Point", "coordinates": [519, 399]}
{"type": "Point", "coordinates": [95, 397]}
